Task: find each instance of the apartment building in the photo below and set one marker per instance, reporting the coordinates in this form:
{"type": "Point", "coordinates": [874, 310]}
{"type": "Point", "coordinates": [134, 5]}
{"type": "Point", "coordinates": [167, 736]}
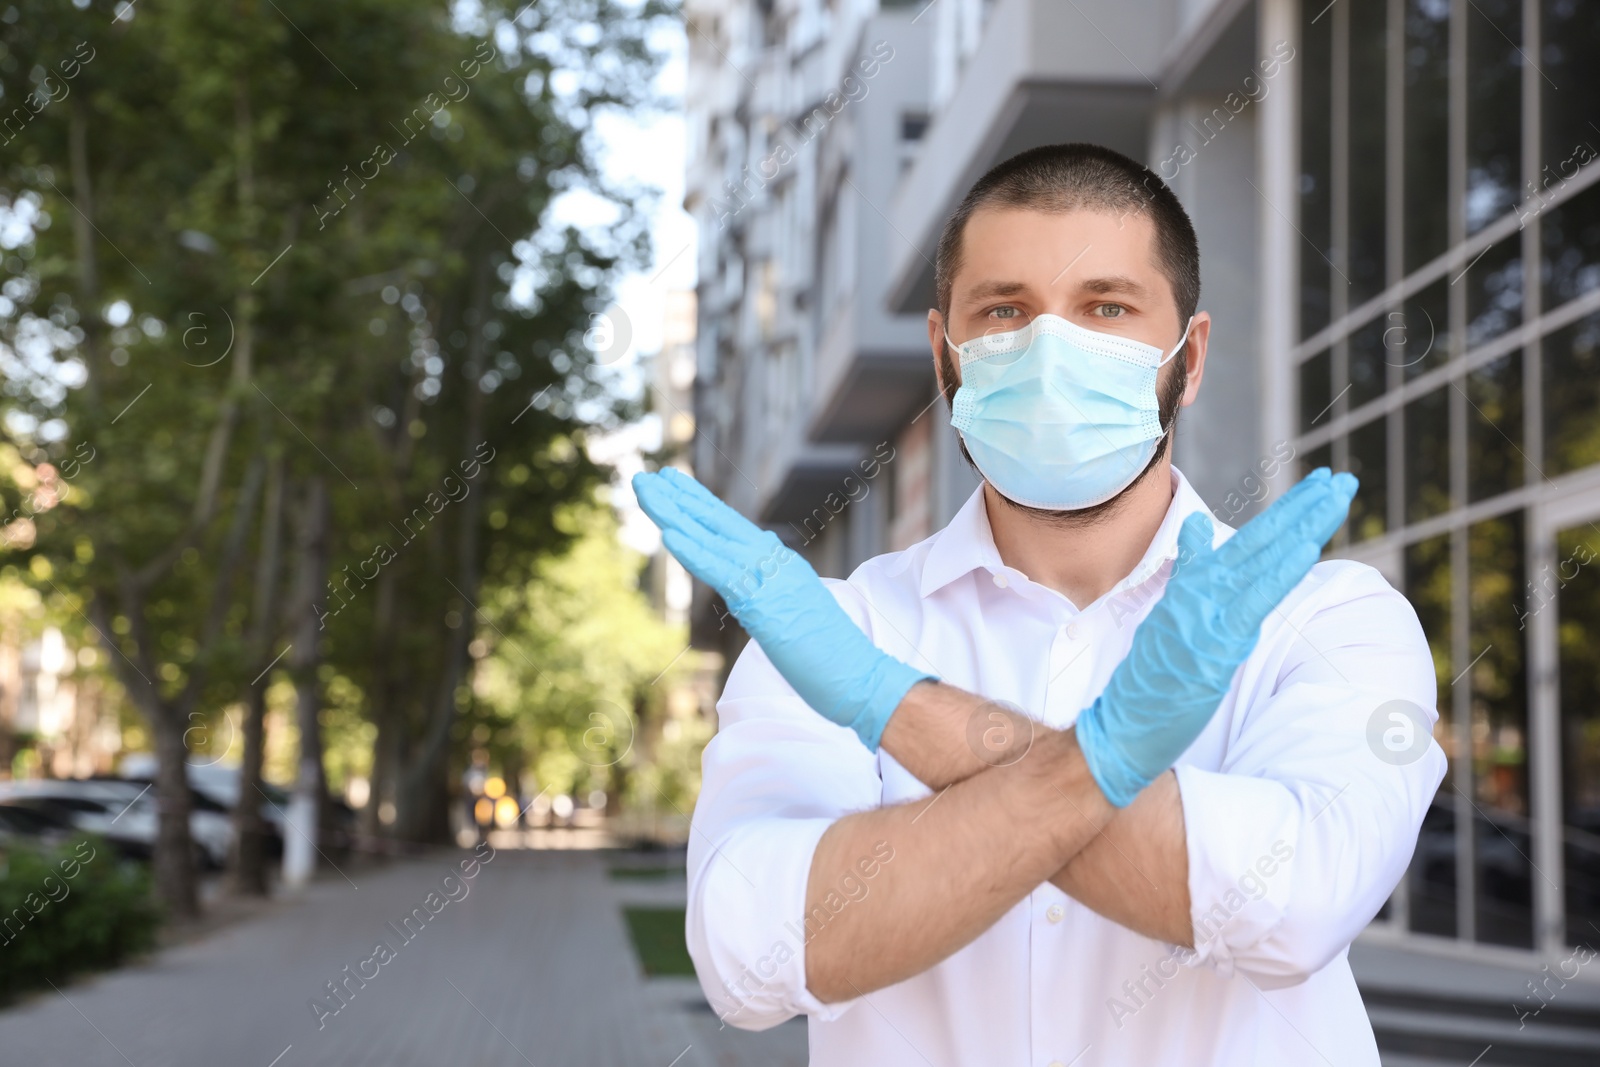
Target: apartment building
{"type": "Point", "coordinates": [1399, 222]}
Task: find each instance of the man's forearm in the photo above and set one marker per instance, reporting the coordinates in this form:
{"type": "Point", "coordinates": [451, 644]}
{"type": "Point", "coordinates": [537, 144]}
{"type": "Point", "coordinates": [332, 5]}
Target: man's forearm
{"type": "Point", "coordinates": [1136, 873]}
{"type": "Point", "coordinates": [962, 858]}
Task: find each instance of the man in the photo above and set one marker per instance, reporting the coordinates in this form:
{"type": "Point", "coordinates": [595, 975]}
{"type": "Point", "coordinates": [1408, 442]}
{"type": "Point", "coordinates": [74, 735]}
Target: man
{"type": "Point", "coordinates": [1080, 779]}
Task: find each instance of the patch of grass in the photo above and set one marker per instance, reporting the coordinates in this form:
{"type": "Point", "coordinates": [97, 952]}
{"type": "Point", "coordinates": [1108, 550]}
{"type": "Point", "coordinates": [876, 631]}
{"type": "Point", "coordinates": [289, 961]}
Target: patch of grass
{"type": "Point", "coordinates": [645, 874]}
{"type": "Point", "coordinates": [657, 935]}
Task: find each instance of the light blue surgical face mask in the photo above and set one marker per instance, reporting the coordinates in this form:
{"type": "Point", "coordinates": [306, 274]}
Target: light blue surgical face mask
{"type": "Point", "coordinates": [1057, 416]}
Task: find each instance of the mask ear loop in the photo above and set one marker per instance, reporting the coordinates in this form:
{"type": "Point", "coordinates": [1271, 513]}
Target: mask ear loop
{"type": "Point", "coordinates": [1168, 359]}
{"type": "Point", "coordinates": [1181, 342]}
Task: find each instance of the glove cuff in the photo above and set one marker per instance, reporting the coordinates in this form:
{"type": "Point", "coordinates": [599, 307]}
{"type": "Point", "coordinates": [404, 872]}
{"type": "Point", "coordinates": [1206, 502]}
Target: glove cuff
{"type": "Point", "coordinates": [1114, 775]}
{"type": "Point", "coordinates": [891, 680]}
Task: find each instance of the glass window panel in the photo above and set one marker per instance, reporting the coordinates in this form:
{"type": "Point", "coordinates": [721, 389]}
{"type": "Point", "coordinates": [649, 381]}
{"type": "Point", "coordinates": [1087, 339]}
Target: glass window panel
{"type": "Point", "coordinates": [1369, 24]}
{"type": "Point", "coordinates": [1316, 161]}
{"type": "Point", "coordinates": [1427, 109]}
{"type": "Point", "coordinates": [1494, 292]}
{"type": "Point", "coordinates": [1571, 237]}
{"type": "Point", "coordinates": [1368, 359]}
{"type": "Point", "coordinates": [1369, 461]}
{"type": "Point", "coordinates": [1494, 428]}
{"type": "Point", "coordinates": [1499, 687]}
{"type": "Point", "coordinates": [1321, 456]}
{"type": "Point", "coordinates": [1572, 396]}
{"type": "Point", "coordinates": [1494, 109]}
{"type": "Point", "coordinates": [1433, 866]}
{"type": "Point", "coordinates": [1428, 456]}
{"type": "Point", "coordinates": [1575, 584]}
{"type": "Point", "coordinates": [1316, 390]}
{"type": "Point", "coordinates": [1421, 340]}
{"type": "Point", "coordinates": [1570, 41]}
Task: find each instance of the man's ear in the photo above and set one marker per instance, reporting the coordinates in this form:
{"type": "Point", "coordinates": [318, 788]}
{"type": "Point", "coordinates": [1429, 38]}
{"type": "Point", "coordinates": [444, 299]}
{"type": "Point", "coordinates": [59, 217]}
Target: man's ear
{"type": "Point", "coordinates": [937, 343]}
{"type": "Point", "coordinates": [1194, 356]}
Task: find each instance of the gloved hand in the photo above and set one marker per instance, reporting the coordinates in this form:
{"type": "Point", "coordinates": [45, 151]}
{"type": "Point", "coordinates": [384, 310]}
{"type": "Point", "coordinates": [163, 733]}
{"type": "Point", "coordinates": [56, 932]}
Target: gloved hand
{"type": "Point", "coordinates": [1185, 653]}
{"type": "Point", "coordinates": [781, 603]}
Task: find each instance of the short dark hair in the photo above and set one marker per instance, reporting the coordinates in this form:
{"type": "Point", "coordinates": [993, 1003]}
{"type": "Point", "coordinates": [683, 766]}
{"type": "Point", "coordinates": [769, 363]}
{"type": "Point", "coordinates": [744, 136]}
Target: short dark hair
{"type": "Point", "coordinates": [1070, 177]}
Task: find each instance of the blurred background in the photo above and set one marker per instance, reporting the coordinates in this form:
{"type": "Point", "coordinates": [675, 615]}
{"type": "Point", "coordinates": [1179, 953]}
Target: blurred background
{"type": "Point", "coordinates": [330, 335]}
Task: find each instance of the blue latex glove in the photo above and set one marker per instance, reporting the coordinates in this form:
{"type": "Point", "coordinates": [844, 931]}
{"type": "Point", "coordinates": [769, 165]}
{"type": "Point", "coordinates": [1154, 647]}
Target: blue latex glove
{"type": "Point", "coordinates": [781, 603]}
{"type": "Point", "coordinates": [1185, 653]}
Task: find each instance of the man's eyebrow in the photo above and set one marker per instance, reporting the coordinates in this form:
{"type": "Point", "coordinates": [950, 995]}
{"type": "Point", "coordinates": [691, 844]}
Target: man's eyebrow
{"type": "Point", "coordinates": [1114, 283]}
{"type": "Point", "coordinates": [985, 290]}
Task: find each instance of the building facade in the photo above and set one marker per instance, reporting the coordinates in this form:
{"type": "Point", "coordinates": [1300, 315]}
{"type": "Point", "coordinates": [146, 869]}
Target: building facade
{"type": "Point", "coordinates": [1399, 222]}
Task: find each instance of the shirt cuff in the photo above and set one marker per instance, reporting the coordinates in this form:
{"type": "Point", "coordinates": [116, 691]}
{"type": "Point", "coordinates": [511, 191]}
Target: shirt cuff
{"type": "Point", "coordinates": [747, 927]}
{"type": "Point", "coordinates": [1241, 834]}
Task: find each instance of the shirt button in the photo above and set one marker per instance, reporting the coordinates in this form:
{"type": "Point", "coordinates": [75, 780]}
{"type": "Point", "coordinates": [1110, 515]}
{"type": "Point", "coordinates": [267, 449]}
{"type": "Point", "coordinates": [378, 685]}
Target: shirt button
{"type": "Point", "coordinates": [1072, 631]}
{"type": "Point", "coordinates": [1000, 580]}
{"type": "Point", "coordinates": [1054, 913]}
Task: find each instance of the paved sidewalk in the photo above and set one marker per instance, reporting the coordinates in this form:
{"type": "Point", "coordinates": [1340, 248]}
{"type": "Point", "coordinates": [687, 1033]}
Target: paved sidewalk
{"type": "Point", "coordinates": [532, 966]}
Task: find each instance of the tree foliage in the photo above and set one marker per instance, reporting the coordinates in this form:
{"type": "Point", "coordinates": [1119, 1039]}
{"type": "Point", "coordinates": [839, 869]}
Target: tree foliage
{"type": "Point", "coordinates": [285, 272]}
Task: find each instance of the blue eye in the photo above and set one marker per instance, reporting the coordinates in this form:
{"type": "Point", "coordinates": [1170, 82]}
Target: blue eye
{"type": "Point", "coordinates": [1112, 311]}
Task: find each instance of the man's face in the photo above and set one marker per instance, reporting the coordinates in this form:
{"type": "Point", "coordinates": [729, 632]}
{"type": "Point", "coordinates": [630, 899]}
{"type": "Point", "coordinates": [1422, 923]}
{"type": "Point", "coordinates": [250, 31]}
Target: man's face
{"type": "Point", "coordinates": [1094, 268]}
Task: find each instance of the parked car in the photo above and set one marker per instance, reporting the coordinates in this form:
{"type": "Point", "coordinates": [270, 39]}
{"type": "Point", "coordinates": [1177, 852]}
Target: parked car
{"type": "Point", "coordinates": [25, 825]}
{"type": "Point", "coordinates": [122, 811]}
{"type": "Point", "coordinates": [219, 784]}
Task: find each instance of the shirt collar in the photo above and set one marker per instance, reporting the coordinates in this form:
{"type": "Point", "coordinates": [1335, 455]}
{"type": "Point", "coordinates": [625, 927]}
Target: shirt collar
{"type": "Point", "coordinates": [967, 543]}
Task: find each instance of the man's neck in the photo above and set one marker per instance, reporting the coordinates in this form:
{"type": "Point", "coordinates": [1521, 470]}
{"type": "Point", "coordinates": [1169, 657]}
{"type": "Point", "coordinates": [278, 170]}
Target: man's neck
{"type": "Point", "coordinates": [1082, 563]}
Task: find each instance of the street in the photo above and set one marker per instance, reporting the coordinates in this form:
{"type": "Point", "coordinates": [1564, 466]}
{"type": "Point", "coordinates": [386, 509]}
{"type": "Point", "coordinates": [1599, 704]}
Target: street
{"type": "Point", "coordinates": [530, 965]}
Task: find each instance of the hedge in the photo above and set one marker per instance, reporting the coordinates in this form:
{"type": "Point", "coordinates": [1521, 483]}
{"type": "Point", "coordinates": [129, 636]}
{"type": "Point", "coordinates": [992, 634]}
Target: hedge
{"type": "Point", "coordinates": [73, 908]}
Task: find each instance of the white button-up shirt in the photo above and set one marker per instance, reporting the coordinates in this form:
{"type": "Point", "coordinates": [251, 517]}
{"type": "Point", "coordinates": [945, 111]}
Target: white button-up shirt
{"type": "Point", "coordinates": [1299, 822]}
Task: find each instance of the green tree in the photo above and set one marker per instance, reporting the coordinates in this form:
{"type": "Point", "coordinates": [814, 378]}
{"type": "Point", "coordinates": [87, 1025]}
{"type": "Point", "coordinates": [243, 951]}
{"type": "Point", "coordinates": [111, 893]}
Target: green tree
{"type": "Point", "coordinates": [285, 269]}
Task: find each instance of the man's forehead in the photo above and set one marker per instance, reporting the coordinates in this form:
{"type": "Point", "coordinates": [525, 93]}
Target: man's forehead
{"type": "Point", "coordinates": [1010, 250]}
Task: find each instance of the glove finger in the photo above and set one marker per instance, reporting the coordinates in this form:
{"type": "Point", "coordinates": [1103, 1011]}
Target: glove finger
{"type": "Point", "coordinates": [712, 512]}
{"type": "Point", "coordinates": [1194, 541]}
{"type": "Point", "coordinates": [1315, 528]}
{"type": "Point", "coordinates": [1265, 528]}
{"type": "Point", "coordinates": [714, 568]}
{"type": "Point", "coordinates": [663, 506]}
{"type": "Point", "coordinates": [1258, 598]}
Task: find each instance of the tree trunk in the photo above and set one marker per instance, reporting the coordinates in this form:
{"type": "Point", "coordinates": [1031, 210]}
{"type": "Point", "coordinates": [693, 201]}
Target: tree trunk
{"type": "Point", "coordinates": [424, 784]}
{"type": "Point", "coordinates": [174, 857]}
{"type": "Point", "coordinates": [249, 830]}
{"type": "Point", "coordinates": [309, 805]}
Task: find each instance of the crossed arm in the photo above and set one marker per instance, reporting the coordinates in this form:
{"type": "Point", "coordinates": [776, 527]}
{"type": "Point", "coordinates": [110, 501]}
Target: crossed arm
{"type": "Point", "coordinates": [997, 827]}
{"type": "Point", "coordinates": [1002, 830]}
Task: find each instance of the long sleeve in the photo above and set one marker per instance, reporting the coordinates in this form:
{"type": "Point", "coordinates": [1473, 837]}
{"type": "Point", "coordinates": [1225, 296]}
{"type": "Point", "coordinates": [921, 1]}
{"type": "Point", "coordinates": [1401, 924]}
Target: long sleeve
{"type": "Point", "coordinates": [774, 778]}
{"type": "Point", "coordinates": [1310, 822]}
